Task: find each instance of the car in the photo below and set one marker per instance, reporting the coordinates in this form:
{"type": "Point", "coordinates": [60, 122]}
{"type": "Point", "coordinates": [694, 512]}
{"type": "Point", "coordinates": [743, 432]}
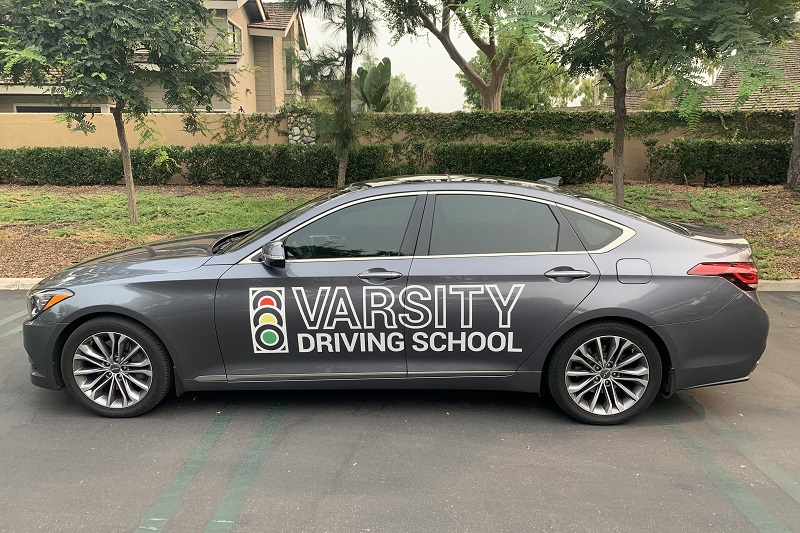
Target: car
{"type": "Point", "coordinates": [451, 282]}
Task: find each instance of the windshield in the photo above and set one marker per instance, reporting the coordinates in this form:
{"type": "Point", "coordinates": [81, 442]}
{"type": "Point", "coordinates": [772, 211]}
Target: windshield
{"type": "Point", "coordinates": [257, 233]}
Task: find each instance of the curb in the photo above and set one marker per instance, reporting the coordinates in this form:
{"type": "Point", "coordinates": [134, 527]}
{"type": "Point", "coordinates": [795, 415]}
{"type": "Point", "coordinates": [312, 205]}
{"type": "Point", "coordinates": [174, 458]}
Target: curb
{"type": "Point", "coordinates": [18, 284]}
{"type": "Point", "coordinates": [789, 285]}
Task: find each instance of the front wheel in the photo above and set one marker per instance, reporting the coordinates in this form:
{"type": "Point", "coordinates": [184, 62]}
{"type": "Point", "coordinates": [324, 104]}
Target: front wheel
{"type": "Point", "coordinates": [605, 373]}
{"type": "Point", "coordinates": [115, 367]}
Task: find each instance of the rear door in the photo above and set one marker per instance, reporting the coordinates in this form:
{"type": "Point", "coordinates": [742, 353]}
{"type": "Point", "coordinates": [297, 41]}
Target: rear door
{"type": "Point", "coordinates": [332, 311]}
{"type": "Point", "coordinates": [494, 274]}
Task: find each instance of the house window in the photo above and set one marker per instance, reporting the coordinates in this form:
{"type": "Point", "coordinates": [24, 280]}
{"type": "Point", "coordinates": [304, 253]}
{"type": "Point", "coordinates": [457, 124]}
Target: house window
{"type": "Point", "coordinates": [235, 37]}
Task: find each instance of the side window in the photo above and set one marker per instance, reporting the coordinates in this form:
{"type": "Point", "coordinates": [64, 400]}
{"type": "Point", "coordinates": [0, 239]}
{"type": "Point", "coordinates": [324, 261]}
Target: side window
{"type": "Point", "coordinates": [593, 233]}
{"type": "Point", "coordinates": [369, 229]}
{"type": "Point", "coordinates": [478, 224]}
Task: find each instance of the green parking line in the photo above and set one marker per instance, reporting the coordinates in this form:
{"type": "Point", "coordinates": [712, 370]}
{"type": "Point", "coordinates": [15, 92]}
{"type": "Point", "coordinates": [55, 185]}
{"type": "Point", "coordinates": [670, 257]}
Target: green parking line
{"type": "Point", "coordinates": [748, 505]}
{"type": "Point", "coordinates": [165, 506]}
{"type": "Point", "coordinates": [9, 333]}
{"type": "Point", "coordinates": [231, 504]}
{"type": "Point", "coordinates": [746, 448]}
{"type": "Point", "coordinates": [12, 318]}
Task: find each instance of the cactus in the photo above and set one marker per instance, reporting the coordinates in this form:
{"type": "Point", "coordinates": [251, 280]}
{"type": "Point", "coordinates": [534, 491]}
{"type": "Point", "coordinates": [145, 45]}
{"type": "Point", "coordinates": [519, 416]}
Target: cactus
{"type": "Point", "coordinates": [372, 86]}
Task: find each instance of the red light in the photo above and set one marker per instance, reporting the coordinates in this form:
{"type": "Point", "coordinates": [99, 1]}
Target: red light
{"type": "Point", "coordinates": [743, 275]}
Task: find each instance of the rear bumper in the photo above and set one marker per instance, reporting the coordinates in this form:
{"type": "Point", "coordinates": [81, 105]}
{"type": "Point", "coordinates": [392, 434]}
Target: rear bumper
{"type": "Point", "coordinates": [724, 348]}
{"type": "Point", "coordinates": [39, 339]}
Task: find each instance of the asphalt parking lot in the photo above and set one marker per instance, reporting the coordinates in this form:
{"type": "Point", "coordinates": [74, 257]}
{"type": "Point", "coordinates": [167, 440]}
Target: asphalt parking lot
{"type": "Point", "coordinates": [716, 459]}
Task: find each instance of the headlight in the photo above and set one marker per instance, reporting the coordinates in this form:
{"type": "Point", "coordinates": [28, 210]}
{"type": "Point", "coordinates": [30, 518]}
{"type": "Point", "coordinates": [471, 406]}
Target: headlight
{"type": "Point", "coordinates": [40, 301]}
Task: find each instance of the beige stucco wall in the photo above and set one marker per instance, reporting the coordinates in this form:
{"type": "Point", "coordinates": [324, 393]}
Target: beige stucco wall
{"type": "Point", "coordinates": [25, 129]}
{"type": "Point", "coordinates": [244, 81]}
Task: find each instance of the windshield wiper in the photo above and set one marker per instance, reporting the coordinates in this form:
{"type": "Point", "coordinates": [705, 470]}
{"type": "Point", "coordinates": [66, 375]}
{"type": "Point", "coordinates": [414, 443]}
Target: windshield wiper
{"type": "Point", "coordinates": [222, 244]}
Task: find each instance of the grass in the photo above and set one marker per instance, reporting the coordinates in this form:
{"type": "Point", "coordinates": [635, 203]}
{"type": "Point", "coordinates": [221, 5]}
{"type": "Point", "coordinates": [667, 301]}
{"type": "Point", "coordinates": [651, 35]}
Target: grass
{"type": "Point", "coordinates": [104, 216]}
{"type": "Point", "coordinates": [704, 206]}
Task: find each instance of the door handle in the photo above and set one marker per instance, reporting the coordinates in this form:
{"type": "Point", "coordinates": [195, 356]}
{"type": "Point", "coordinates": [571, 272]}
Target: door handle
{"type": "Point", "coordinates": [380, 274]}
{"type": "Point", "coordinates": [566, 273]}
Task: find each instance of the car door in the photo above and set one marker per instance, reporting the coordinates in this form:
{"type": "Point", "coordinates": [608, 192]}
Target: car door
{"type": "Point", "coordinates": [332, 311]}
{"type": "Point", "coordinates": [498, 273]}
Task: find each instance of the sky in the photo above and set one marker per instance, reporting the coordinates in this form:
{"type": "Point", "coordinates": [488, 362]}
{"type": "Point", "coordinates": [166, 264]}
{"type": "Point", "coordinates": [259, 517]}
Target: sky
{"type": "Point", "coordinates": [423, 61]}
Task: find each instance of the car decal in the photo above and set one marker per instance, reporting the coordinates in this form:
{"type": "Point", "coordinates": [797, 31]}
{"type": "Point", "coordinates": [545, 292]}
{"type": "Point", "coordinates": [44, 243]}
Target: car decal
{"type": "Point", "coordinates": [330, 322]}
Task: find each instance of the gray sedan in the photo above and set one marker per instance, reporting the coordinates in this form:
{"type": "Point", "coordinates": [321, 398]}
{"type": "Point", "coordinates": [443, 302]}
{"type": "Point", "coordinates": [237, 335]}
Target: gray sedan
{"type": "Point", "coordinates": [452, 282]}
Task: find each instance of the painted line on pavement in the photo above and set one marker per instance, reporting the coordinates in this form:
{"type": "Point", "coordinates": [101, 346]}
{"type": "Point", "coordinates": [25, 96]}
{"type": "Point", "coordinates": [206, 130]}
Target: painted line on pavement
{"type": "Point", "coordinates": [230, 506]}
{"type": "Point", "coordinates": [10, 333]}
{"type": "Point", "coordinates": [746, 448]}
{"type": "Point", "coordinates": [13, 317]}
{"type": "Point", "coordinates": [165, 505]}
{"type": "Point", "coordinates": [748, 505]}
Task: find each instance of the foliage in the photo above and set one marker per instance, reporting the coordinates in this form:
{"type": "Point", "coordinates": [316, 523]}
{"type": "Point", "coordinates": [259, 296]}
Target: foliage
{"type": "Point", "coordinates": [720, 162]}
{"type": "Point", "coordinates": [229, 164]}
{"type": "Point", "coordinates": [576, 162]}
{"type": "Point", "coordinates": [371, 86]}
{"type": "Point", "coordinates": [402, 93]}
{"type": "Point", "coordinates": [91, 51]}
{"type": "Point", "coordinates": [562, 124]}
{"type": "Point", "coordinates": [533, 82]}
{"type": "Point", "coordinates": [83, 166]}
{"type": "Point", "coordinates": [495, 27]}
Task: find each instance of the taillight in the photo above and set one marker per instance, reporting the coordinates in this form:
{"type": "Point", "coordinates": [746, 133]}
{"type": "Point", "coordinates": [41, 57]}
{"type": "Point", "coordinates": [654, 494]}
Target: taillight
{"type": "Point", "coordinates": [743, 275]}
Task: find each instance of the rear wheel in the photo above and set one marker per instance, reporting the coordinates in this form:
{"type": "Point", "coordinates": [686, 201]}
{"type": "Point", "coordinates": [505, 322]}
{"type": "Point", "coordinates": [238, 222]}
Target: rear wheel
{"type": "Point", "coordinates": [605, 373]}
{"type": "Point", "coordinates": [115, 367]}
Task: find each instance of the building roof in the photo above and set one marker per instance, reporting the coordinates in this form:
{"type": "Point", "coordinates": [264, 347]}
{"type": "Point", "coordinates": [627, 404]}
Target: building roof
{"type": "Point", "coordinates": [633, 101]}
{"type": "Point", "coordinates": [784, 97]}
{"type": "Point", "coordinates": [279, 16]}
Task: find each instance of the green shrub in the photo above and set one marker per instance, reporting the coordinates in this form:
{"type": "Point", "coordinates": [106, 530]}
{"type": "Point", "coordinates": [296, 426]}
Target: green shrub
{"type": "Point", "coordinates": [294, 165]}
{"type": "Point", "coordinates": [63, 166]}
{"type": "Point", "coordinates": [574, 161]}
{"type": "Point", "coordinates": [720, 162]}
{"type": "Point", "coordinates": [7, 157]}
{"type": "Point", "coordinates": [228, 164]}
{"type": "Point", "coordinates": [147, 172]}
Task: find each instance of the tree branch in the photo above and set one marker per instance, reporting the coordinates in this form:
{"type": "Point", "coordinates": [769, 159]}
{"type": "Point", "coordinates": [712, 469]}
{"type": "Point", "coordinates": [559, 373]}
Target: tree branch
{"type": "Point", "coordinates": [610, 79]}
{"type": "Point", "coordinates": [487, 48]}
{"type": "Point", "coordinates": [457, 58]}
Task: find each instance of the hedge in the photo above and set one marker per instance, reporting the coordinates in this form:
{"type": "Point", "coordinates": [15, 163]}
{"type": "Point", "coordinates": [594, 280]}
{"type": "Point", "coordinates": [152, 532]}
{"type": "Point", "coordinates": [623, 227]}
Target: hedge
{"type": "Point", "coordinates": [83, 166]}
{"type": "Point", "coordinates": [720, 162]}
{"type": "Point", "coordinates": [575, 161]}
{"type": "Point", "coordinates": [305, 166]}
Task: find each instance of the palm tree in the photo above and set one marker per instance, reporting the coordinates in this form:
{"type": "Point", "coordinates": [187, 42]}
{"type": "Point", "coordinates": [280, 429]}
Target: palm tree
{"type": "Point", "coordinates": [355, 19]}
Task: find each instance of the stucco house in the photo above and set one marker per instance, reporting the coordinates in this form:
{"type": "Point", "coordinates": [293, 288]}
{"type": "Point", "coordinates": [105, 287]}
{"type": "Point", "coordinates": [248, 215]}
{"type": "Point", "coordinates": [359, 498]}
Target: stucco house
{"type": "Point", "coordinates": [266, 35]}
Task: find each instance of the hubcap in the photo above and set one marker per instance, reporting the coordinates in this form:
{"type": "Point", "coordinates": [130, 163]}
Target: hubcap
{"type": "Point", "coordinates": [607, 375]}
{"type": "Point", "coordinates": [112, 370]}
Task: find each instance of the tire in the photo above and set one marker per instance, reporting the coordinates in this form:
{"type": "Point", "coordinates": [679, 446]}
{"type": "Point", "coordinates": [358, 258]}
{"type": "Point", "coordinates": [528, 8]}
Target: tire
{"type": "Point", "coordinates": [116, 353]}
{"type": "Point", "coordinates": [610, 392]}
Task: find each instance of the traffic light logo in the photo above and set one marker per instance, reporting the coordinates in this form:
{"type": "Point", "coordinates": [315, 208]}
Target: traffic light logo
{"type": "Point", "coordinates": [268, 321]}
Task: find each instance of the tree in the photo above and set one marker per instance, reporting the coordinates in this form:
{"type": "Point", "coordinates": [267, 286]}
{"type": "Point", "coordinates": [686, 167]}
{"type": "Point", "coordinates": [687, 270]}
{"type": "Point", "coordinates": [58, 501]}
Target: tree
{"type": "Point", "coordinates": [483, 21]}
{"type": "Point", "coordinates": [535, 82]}
{"type": "Point", "coordinates": [402, 94]}
{"type": "Point", "coordinates": [793, 180]}
{"type": "Point", "coordinates": [96, 51]}
{"type": "Point", "coordinates": [354, 19]}
{"type": "Point", "coordinates": [674, 36]}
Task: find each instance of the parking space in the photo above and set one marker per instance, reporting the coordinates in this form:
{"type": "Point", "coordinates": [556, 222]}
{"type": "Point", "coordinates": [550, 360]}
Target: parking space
{"type": "Point", "coordinates": [716, 459]}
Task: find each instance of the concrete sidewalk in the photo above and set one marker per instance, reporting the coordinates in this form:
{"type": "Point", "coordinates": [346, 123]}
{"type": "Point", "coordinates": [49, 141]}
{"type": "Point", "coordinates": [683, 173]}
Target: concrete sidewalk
{"type": "Point", "coordinates": [789, 285]}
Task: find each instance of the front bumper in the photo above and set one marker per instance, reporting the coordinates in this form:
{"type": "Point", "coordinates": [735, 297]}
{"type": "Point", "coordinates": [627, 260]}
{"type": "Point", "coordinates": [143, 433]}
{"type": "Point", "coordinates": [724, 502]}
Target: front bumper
{"type": "Point", "coordinates": [41, 341]}
{"type": "Point", "coordinates": [724, 348]}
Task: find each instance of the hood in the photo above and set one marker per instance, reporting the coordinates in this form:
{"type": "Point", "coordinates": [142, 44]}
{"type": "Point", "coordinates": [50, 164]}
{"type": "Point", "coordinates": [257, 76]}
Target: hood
{"type": "Point", "coordinates": [180, 254]}
{"type": "Point", "coordinates": [197, 245]}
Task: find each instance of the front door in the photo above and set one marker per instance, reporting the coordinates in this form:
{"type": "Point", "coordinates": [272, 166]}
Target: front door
{"type": "Point", "coordinates": [332, 311]}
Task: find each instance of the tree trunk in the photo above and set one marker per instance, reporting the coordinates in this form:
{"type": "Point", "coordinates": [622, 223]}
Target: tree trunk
{"type": "Point", "coordinates": [348, 133]}
{"type": "Point", "coordinates": [127, 168]}
{"type": "Point", "coordinates": [620, 113]}
{"type": "Point", "coordinates": [793, 180]}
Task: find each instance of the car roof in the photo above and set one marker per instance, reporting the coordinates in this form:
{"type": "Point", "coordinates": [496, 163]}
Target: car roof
{"type": "Point", "coordinates": [458, 179]}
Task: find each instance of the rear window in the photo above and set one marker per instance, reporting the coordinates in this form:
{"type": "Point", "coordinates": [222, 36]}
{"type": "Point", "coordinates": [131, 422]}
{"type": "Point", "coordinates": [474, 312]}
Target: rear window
{"type": "Point", "coordinates": [593, 233]}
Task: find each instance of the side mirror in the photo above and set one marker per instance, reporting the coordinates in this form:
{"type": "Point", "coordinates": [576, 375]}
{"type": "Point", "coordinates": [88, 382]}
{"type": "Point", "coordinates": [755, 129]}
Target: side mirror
{"type": "Point", "coordinates": [273, 255]}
